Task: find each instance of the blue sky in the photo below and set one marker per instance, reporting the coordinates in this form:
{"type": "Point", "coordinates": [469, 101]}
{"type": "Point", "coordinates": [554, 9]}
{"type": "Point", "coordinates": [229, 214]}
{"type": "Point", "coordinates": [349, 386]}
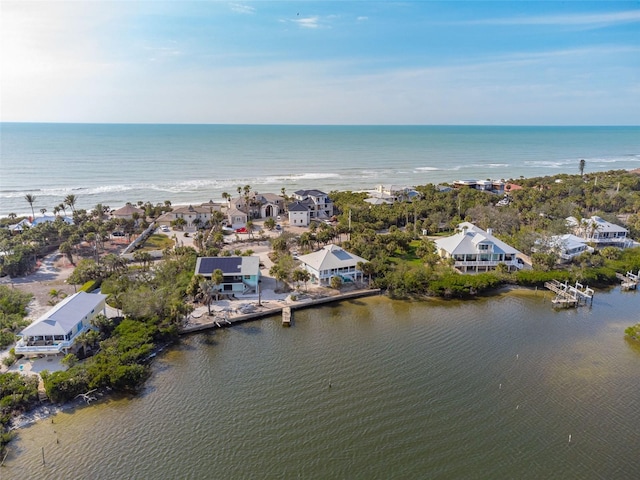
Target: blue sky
{"type": "Point", "coordinates": [332, 62]}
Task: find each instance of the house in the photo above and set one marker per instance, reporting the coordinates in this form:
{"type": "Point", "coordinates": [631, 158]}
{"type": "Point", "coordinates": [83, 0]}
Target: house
{"type": "Point", "coordinates": [599, 232]}
{"type": "Point", "coordinates": [319, 204]}
{"type": "Point", "coordinates": [496, 186]}
{"type": "Point", "coordinates": [57, 330]}
{"type": "Point", "coordinates": [258, 205]}
{"type": "Point", "coordinates": [27, 223]}
{"type": "Point", "coordinates": [475, 250]}
{"type": "Point", "coordinates": [332, 261]}
{"type": "Point", "coordinates": [236, 218]}
{"type": "Point", "coordinates": [566, 246]}
{"type": "Point", "coordinates": [194, 216]}
{"type": "Point", "coordinates": [392, 194]}
{"type": "Point", "coordinates": [128, 212]}
{"type": "Point", "coordinates": [299, 214]}
{"type": "Point", "coordinates": [241, 275]}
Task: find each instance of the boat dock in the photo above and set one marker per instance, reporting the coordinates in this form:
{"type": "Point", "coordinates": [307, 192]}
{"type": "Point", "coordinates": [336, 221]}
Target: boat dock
{"type": "Point", "coordinates": [286, 317]}
{"type": "Point", "coordinates": [629, 281]}
{"type": "Point", "coordinates": [228, 321]}
{"type": "Point", "coordinates": [570, 295]}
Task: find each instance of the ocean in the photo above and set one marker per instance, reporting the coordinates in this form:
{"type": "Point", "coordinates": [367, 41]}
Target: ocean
{"type": "Point", "coordinates": [113, 164]}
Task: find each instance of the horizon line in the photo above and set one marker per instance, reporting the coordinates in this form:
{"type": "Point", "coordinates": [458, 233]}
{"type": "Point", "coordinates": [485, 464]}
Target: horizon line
{"type": "Point", "coordinates": [322, 124]}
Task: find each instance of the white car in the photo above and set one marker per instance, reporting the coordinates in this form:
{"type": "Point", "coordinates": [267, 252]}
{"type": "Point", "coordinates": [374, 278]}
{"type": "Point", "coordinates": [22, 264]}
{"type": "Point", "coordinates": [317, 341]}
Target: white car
{"type": "Point", "coordinates": [164, 228]}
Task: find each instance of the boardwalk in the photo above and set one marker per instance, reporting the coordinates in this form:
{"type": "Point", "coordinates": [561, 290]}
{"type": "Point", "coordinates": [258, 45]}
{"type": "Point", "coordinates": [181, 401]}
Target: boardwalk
{"type": "Point", "coordinates": [219, 322]}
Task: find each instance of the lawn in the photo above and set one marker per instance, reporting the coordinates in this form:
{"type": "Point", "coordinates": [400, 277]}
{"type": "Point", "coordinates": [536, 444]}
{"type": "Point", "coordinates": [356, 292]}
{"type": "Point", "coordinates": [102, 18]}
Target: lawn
{"type": "Point", "coordinates": [157, 242]}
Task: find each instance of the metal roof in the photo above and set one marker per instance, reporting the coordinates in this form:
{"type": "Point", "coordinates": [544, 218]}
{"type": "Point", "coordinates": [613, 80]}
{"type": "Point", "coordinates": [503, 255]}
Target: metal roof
{"type": "Point", "coordinates": [61, 319]}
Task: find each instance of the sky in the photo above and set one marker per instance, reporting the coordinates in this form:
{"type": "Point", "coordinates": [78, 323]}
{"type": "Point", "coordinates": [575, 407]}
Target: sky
{"type": "Point", "coordinates": [330, 62]}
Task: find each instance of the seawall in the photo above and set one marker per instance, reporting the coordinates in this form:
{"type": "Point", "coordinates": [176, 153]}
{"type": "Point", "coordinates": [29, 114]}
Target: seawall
{"type": "Point", "coordinates": [248, 317]}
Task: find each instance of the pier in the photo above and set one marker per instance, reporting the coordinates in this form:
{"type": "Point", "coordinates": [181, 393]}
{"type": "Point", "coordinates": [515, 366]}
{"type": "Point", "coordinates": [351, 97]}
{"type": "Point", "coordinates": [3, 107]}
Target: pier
{"type": "Point", "coordinates": [228, 321]}
{"type": "Point", "coordinates": [629, 281]}
{"type": "Point", "coordinates": [569, 295]}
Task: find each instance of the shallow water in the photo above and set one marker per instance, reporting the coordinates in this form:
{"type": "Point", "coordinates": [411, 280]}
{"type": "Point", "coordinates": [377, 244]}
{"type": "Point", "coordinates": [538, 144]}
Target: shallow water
{"type": "Point", "coordinates": [372, 388]}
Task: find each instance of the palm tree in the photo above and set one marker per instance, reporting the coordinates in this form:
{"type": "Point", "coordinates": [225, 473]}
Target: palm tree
{"type": "Point", "coordinates": [30, 200]}
{"type": "Point", "coordinates": [70, 200]}
{"type": "Point", "coordinates": [64, 210]}
{"type": "Point", "coordinates": [581, 166]}
{"type": "Point", "coordinates": [217, 277]}
{"type": "Point", "coordinates": [42, 211]}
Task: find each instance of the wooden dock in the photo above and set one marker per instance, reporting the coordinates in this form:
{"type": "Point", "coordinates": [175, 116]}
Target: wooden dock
{"type": "Point", "coordinates": [629, 281]}
{"type": "Point", "coordinates": [570, 295]}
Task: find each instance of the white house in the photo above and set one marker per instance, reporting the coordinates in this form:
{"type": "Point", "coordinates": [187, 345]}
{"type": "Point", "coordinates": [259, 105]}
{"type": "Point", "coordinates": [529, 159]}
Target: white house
{"type": "Point", "coordinates": [475, 250]}
{"type": "Point", "coordinates": [319, 204]}
{"type": "Point", "coordinates": [601, 233]}
{"type": "Point", "coordinates": [332, 261]}
{"type": "Point", "coordinates": [299, 214]}
{"type": "Point", "coordinates": [57, 330]}
{"type": "Point", "coordinates": [236, 218]}
{"type": "Point", "coordinates": [391, 194]}
{"type": "Point", "coordinates": [241, 275]}
{"type": "Point", "coordinates": [566, 246]}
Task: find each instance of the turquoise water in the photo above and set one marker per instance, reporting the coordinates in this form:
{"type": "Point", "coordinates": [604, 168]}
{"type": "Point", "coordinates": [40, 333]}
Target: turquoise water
{"type": "Point", "coordinates": [372, 389]}
{"type": "Point", "coordinates": [112, 164]}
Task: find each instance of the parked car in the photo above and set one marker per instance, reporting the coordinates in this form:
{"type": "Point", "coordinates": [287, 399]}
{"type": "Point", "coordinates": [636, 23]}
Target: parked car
{"type": "Point", "coordinates": [278, 227]}
{"type": "Point", "coordinates": [164, 228]}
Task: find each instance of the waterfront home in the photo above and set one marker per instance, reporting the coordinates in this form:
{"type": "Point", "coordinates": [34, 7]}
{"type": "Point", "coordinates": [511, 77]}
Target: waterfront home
{"type": "Point", "coordinates": [193, 216]}
{"type": "Point", "coordinates": [57, 330]}
{"type": "Point", "coordinates": [258, 205]}
{"type": "Point", "coordinates": [391, 194]}
{"type": "Point", "coordinates": [26, 223]}
{"type": "Point", "coordinates": [299, 214]}
{"type": "Point", "coordinates": [497, 186]}
{"type": "Point", "coordinates": [331, 261]}
{"type": "Point", "coordinates": [128, 212]}
{"type": "Point", "coordinates": [241, 275]}
{"type": "Point", "coordinates": [599, 232]}
{"type": "Point", "coordinates": [319, 204]}
{"type": "Point", "coordinates": [474, 250]}
{"type": "Point", "coordinates": [566, 247]}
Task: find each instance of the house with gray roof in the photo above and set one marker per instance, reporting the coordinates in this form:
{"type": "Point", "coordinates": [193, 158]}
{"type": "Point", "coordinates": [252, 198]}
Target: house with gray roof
{"type": "Point", "coordinates": [57, 330]}
{"type": "Point", "coordinates": [319, 204]}
{"type": "Point", "coordinates": [599, 232]}
{"type": "Point", "coordinates": [241, 275]}
{"type": "Point", "coordinates": [332, 261]}
{"type": "Point", "coordinates": [258, 205]}
{"type": "Point", "coordinates": [299, 214]}
{"type": "Point", "coordinates": [566, 247]}
{"type": "Point", "coordinates": [474, 250]}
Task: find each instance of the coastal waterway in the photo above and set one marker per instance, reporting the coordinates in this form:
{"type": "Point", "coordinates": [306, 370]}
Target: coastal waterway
{"type": "Point", "coordinates": [498, 387]}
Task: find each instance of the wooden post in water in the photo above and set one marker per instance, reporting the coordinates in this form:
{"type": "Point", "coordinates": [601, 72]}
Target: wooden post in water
{"type": "Point", "coordinates": [42, 455]}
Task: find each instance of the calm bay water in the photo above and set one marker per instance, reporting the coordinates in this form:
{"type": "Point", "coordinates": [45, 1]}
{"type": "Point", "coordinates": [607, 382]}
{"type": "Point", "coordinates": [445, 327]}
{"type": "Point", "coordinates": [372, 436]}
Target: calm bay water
{"type": "Point", "coordinates": [113, 164]}
{"type": "Point", "coordinates": [372, 388]}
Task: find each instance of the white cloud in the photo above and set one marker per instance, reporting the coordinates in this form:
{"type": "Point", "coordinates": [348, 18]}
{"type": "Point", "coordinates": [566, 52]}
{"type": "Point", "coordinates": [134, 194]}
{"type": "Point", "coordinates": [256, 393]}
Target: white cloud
{"type": "Point", "coordinates": [240, 8]}
{"type": "Point", "coordinates": [601, 19]}
{"type": "Point", "coordinates": [307, 22]}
